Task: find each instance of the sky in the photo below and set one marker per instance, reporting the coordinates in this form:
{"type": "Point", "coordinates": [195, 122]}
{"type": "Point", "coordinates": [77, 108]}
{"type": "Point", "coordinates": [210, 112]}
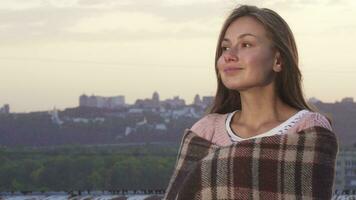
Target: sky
{"type": "Point", "coordinates": [52, 51]}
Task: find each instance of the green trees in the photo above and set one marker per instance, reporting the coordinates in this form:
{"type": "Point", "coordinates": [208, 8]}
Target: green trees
{"type": "Point", "coordinates": [89, 168]}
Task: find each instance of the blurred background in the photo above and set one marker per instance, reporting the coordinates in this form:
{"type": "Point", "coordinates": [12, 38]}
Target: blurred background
{"type": "Point", "coordinates": [96, 94]}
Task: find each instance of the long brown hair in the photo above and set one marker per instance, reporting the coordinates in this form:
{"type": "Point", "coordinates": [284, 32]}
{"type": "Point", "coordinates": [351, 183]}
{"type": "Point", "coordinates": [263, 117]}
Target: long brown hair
{"type": "Point", "coordinates": [288, 81]}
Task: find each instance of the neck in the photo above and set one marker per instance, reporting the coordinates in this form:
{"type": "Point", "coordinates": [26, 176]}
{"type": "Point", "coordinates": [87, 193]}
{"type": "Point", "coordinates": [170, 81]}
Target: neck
{"type": "Point", "coordinates": [261, 106]}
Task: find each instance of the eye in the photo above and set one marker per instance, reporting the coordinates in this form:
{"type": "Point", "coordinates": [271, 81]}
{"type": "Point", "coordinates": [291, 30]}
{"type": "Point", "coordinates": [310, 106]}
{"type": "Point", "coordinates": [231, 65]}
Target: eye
{"type": "Point", "coordinates": [224, 48]}
{"type": "Point", "coordinates": [245, 44]}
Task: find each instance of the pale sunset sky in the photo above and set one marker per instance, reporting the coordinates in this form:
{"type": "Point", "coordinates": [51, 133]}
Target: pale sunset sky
{"type": "Point", "coordinates": [52, 51]}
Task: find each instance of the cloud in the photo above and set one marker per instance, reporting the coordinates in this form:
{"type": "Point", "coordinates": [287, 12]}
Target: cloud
{"type": "Point", "coordinates": [19, 4]}
{"type": "Point", "coordinates": [80, 20]}
{"type": "Point", "coordinates": [41, 23]}
{"type": "Point", "coordinates": [104, 4]}
{"type": "Point", "coordinates": [72, 20]}
{"type": "Point", "coordinates": [137, 25]}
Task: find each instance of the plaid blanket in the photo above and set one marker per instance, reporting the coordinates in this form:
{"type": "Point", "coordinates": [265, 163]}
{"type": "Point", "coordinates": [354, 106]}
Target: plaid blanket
{"type": "Point", "coordinates": [290, 166]}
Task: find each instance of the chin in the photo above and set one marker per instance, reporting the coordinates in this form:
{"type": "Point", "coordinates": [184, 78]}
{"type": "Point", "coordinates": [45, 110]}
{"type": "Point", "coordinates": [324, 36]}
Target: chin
{"type": "Point", "coordinates": [235, 85]}
{"type": "Point", "coordinates": [227, 83]}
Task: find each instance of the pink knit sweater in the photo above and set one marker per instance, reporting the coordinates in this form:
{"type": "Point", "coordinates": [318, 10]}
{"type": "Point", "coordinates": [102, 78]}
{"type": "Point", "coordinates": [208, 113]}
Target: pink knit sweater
{"type": "Point", "coordinates": [213, 128]}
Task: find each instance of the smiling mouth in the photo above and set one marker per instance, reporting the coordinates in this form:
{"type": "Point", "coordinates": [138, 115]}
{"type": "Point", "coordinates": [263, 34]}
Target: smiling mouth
{"type": "Point", "coordinates": [231, 69]}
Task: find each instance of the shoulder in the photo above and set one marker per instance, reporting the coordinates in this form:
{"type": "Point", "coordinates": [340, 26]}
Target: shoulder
{"type": "Point", "coordinates": [206, 121]}
{"type": "Point", "coordinates": [205, 126]}
{"type": "Point", "coordinates": [315, 119]}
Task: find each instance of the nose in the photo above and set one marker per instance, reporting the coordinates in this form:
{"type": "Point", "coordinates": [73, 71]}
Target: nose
{"type": "Point", "coordinates": [230, 56]}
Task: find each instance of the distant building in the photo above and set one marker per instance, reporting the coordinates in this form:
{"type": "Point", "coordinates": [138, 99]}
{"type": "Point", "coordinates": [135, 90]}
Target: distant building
{"type": "Point", "coordinates": [185, 112]}
{"type": "Point", "coordinates": [155, 97]}
{"type": "Point", "coordinates": [101, 102]}
{"type": "Point", "coordinates": [5, 109]}
{"type": "Point", "coordinates": [208, 100]}
{"type": "Point", "coordinates": [143, 122]}
{"type": "Point", "coordinates": [54, 117]}
{"type": "Point", "coordinates": [347, 100]}
{"type": "Point", "coordinates": [149, 103]}
{"type": "Point", "coordinates": [176, 102]}
{"type": "Point", "coordinates": [80, 120]}
{"type": "Point", "coordinates": [146, 103]}
{"type": "Point", "coordinates": [197, 101]}
{"type": "Point", "coordinates": [135, 110]}
{"type": "Point", "coordinates": [161, 127]}
{"type": "Point", "coordinates": [313, 100]}
{"type": "Point", "coordinates": [128, 130]}
{"type": "Point", "coordinates": [346, 169]}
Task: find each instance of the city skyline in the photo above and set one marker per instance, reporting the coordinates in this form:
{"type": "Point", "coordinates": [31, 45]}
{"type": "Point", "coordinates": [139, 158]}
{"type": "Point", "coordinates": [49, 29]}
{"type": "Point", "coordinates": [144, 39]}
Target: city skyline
{"type": "Point", "coordinates": [54, 50]}
{"type": "Point", "coordinates": [122, 99]}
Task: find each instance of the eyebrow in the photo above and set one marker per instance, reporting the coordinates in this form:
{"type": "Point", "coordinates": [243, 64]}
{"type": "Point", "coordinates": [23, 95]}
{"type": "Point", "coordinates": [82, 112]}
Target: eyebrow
{"type": "Point", "coordinates": [241, 36]}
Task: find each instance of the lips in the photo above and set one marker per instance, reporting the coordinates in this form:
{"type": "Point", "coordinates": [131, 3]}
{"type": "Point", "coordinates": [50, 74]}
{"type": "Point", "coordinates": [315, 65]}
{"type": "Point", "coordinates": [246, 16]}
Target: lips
{"type": "Point", "coordinates": [231, 69]}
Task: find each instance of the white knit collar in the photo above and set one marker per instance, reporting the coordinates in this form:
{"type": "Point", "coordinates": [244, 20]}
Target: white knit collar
{"type": "Point", "coordinates": [280, 129]}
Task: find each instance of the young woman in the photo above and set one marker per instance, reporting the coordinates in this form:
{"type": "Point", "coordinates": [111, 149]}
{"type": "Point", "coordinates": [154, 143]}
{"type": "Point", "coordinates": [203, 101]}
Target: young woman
{"type": "Point", "coordinates": [259, 89]}
{"type": "Point", "coordinates": [226, 154]}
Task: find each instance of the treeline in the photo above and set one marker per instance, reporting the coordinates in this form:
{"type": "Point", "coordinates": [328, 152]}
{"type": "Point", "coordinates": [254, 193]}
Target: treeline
{"type": "Point", "coordinates": [87, 168]}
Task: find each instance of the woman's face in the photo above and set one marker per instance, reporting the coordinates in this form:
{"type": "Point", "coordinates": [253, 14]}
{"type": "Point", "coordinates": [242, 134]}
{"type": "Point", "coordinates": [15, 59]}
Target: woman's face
{"type": "Point", "coordinates": [248, 59]}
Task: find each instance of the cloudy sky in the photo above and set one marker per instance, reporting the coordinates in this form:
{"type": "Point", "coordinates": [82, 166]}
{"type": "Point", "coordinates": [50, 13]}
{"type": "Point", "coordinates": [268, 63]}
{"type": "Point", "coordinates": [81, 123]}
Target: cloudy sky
{"type": "Point", "coordinates": [52, 51]}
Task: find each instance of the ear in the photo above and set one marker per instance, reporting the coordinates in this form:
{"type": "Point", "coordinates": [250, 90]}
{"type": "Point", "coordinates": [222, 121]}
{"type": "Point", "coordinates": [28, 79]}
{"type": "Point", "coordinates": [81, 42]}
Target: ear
{"type": "Point", "coordinates": [277, 66]}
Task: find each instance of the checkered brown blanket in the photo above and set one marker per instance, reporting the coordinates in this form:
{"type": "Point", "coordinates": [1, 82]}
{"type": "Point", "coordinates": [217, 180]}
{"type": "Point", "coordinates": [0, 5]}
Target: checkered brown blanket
{"type": "Point", "coordinates": [290, 166]}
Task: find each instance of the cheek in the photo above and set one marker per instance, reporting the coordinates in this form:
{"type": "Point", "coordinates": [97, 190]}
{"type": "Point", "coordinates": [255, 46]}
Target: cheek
{"type": "Point", "coordinates": [220, 62]}
{"type": "Point", "coordinates": [260, 60]}
{"type": "Point", "coordinates": [260, 66]}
